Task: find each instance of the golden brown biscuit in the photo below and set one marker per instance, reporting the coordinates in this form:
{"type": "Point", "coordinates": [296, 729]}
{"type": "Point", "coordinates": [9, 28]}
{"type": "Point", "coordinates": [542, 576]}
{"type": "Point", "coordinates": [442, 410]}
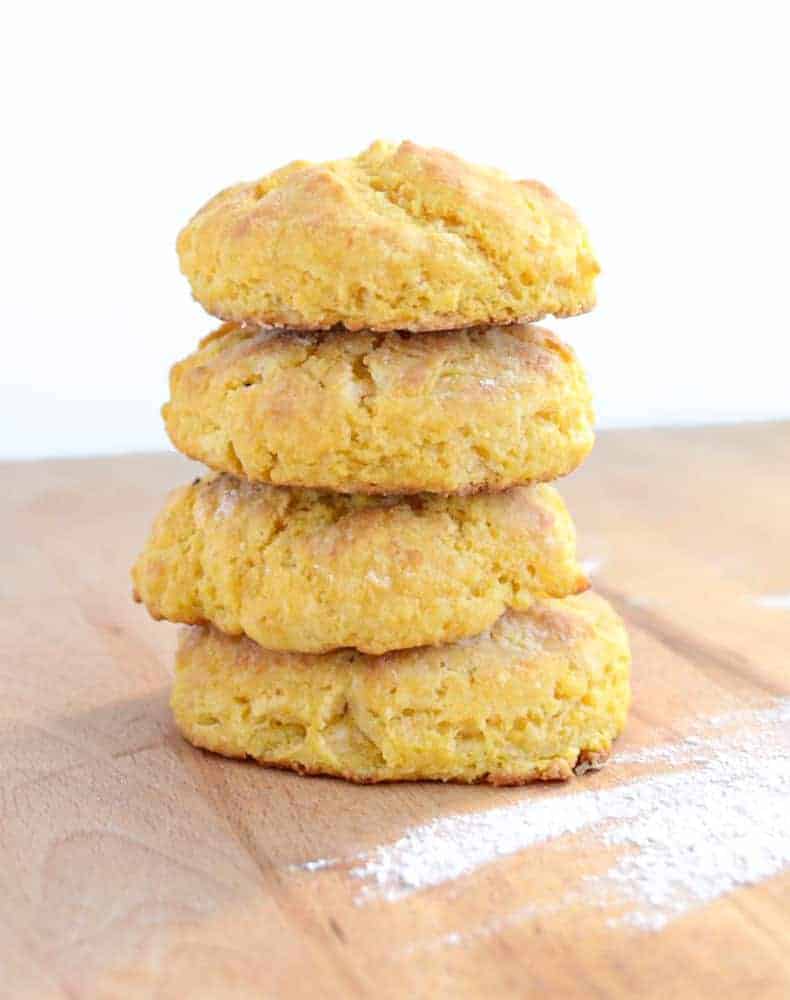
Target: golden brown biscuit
{"type": "Point", "coordinates": [396, 238]}
{"type": "Point", "coordinates": [310, 572]}
{"type": "Point", "coordinates": [485, 408]}
{"type": "Point", "coordinates": [544, 691]}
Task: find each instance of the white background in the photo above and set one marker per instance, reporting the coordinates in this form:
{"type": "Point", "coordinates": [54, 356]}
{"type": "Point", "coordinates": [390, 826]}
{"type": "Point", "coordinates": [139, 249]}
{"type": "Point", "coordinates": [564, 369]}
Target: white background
{"type": "Point", "coordinates": [665, 125]}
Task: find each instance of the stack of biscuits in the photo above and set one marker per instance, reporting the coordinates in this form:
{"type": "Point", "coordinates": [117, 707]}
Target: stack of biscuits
{"type": "Point", "coordinates": [378, 580]}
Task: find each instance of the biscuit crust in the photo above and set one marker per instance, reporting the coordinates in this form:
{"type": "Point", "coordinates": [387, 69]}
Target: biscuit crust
{"type": "Point", "coordinates": [400, 237]}
{"type": "Point", "coordinates": [542, 693]}
{"type": "Point", "coordinates": [310, 572]}
{"type": "Point", "coordinates": [457, 412]}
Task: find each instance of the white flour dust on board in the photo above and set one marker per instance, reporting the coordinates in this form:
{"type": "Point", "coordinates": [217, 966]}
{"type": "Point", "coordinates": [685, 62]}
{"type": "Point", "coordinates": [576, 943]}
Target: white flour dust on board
{"type": "Point", "coordinates": [720, 823]}
{"type": "Point", "coordinates": [591, 567]}
{"type": "Point", "coordinates": [713, 814]}
{"type": "Point", "coordinates": [773, 600]}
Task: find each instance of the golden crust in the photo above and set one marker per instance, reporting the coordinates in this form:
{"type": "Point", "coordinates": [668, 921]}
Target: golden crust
{"type": "Point", "coordinates": [485, 408]}
{"type": "Point", "coordinates": [543, 693]}
{"type": "Point", "coordinates": [306, 571]}
{"type": "Point", "coordinates": [397, 238]}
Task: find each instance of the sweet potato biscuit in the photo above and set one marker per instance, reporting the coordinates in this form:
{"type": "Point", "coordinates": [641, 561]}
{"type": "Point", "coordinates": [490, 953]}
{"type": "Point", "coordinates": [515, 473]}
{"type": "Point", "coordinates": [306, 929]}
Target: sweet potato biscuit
{"type": "Point", "coordinates": [484, 408]}
{"type": "Point", "coordinates": [396, 238]}
{"type": "Point", "coordinates": [310, 572]}
{"type": "Point", "coordinates": [544, 692]}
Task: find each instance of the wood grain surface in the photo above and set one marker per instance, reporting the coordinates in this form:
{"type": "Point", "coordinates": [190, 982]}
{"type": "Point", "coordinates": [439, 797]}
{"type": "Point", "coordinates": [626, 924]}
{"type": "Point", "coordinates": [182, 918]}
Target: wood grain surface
{"type": "Point", "coordinates": [136, 866]}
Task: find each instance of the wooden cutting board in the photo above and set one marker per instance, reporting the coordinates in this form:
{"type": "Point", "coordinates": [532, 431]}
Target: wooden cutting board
{"type": "Point", "coordinates": [136, 866]}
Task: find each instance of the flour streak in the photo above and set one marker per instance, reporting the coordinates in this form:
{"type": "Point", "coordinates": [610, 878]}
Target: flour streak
{"type": "Point", "coordinates": [713, 815]}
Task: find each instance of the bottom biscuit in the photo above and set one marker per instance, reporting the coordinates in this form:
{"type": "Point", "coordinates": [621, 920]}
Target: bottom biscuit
{"type": "Point", "coordinates": [543, 693]}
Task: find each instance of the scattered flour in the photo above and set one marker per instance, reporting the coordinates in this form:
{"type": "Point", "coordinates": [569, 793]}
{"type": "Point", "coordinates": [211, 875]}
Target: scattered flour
{"type": "Point", "coordinates": [773, 600]}
{"type": "Point", "coordinates": [315, 866]}
{"type": "Point", "coordinates": [723, 823]}
{"type": "Point", "coordinates": [591, 567]}
{"type": "Point", "coordinates": [715, 816]}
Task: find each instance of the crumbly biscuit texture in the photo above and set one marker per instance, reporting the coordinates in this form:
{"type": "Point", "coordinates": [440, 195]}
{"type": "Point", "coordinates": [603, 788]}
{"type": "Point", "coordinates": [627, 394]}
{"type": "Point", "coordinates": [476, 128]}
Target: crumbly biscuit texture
{"type": "Point", "coordinates": [543, 692]}
{"type": "Point", "coordinates": [309, 572]}
{"type": "Point", "coordinates": [400, 237]}
{"type": "Point", "coordinates": [485, 408]}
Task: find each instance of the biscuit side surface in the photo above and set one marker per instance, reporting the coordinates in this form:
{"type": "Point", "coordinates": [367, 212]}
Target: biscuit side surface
{"type": "Point", "coordinates": [541, 693]}
{"type": "Point", "coordinates": [306, 571]}
{"type": "Point", "coordinates": [480, 409]}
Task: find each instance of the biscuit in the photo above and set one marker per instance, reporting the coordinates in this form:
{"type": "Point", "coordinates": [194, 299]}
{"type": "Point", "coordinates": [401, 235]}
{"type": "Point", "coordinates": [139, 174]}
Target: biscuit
{"type": "Point", "coordinates": [310, 572]}
{"type": "Point", "coordinates": [396, 238]}
{"type": "Point", "coordinates": [544, 692]}
{"type": "Point", "coordinates": [485, 408]}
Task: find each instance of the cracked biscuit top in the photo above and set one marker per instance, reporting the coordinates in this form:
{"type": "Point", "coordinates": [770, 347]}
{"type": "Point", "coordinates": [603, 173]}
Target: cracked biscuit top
{"type": "Point", "coordinates": [397, 238]}
{"type": "Point", "coordinates": [309, 572]}
{"type": "Point", "coordinates": [455, 412]}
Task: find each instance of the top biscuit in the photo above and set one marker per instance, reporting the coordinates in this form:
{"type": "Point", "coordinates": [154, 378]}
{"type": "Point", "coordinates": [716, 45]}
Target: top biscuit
{"type": "Point", "coordinates": [397, 238]}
